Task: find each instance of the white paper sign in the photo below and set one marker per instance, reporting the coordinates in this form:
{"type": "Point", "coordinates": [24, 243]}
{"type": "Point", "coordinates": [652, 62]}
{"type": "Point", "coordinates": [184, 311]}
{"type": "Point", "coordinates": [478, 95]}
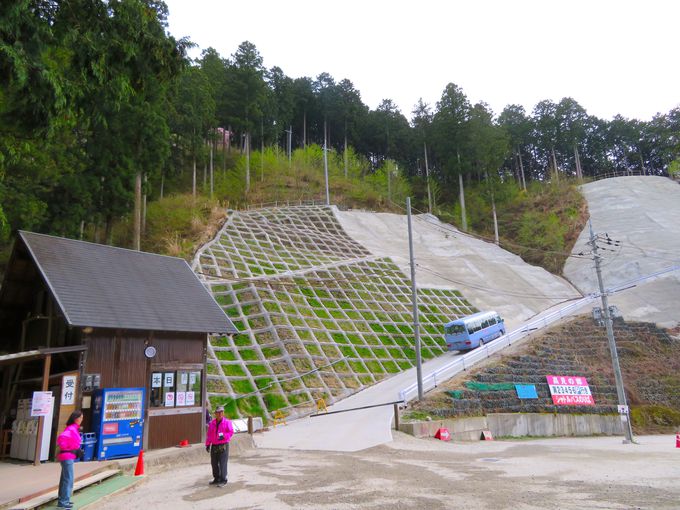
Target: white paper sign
{"type": "Point", "coordinates": [42, 402]}
{"type": "Point", "coordinates": [190, 398]}
{"type": "Point", "coordinates": [192, 378]}
{"type": "Point", "coordinates": [170, 399]}
{"type": "Point", "coordinates": [169, 379]}
{"type": "Point", "coordinates": [183, 377]}
{"type": "Point", "coordinates": [68, 390]}
{"type": "Point", "coordinates": [156, 380]}
{"type": "Point", "coordinates": [181, 398]}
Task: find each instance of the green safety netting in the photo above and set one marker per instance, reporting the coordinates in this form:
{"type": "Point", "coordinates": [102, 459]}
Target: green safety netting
{"type": "Point", "coordinates": [455, 393]}
{"type": "Point", "coordinates": [479, 386]}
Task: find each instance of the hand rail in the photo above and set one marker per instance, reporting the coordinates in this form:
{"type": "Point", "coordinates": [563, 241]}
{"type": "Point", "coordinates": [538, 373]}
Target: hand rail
{"type": "Point", "coordinates": [468, 360]}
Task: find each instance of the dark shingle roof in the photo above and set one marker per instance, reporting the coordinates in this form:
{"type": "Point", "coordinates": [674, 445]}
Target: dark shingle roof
{"type": "Point", "coordinates": [102, 286]}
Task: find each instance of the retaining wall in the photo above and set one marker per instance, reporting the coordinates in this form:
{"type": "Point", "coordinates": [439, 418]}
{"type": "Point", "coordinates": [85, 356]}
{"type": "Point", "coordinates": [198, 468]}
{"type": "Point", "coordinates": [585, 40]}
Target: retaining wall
{"type": "Point", "coordinates": [519, 425]}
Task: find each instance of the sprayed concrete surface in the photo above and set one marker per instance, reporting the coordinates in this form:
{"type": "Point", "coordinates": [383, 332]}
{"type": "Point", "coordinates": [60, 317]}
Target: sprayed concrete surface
{"type": "Point", "coordinates": [642, 213]}
{"type": "Point", "coordinates": [574, 473]}
{"type": "Point", "coordinates": [488, 276]}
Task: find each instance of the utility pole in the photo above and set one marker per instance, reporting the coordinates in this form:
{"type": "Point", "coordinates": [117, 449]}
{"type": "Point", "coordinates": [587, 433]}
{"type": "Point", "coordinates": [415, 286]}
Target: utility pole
{"type": "Point", "coordinates": [427, 178]}
{"type": "Point", "coordinates": [414, 291]}
{"type": "Point", "coordinates": [290, 145]}
{"type": "Point", "coordinates": [612, 342]}
{"type": "Point", "coordinates": [325, 162]}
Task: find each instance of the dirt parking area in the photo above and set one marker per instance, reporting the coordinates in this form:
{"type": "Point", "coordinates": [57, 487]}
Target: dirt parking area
{"type": "Point", "coordinates": [564, 473]}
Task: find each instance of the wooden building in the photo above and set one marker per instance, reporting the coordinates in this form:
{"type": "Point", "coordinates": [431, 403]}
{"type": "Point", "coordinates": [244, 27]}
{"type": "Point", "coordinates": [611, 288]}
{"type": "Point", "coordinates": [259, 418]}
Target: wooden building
{"type": "Point", "coordinates": [138, 317]}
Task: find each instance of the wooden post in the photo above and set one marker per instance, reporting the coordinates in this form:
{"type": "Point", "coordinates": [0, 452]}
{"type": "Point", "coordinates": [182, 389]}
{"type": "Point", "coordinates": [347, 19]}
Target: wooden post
{"type": "Point", "coordinates": [41, 419]}
{"type": "Point", "coordinates": [396, 416]}
{"type": "Point", "coordinates": [250, 425]}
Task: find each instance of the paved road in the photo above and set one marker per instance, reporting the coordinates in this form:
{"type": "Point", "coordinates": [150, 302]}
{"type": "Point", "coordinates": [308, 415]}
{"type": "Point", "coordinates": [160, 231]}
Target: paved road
{"type": "Point", "coordinates": [408, 473]}
{"type": "Point", "coordinates": [353, 430]}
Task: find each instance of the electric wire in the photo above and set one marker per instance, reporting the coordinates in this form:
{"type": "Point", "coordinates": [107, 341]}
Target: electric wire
{"type": "Point", "coordinates": [445, 227]}
{"type": "Point", "coordinates": [498, 291]}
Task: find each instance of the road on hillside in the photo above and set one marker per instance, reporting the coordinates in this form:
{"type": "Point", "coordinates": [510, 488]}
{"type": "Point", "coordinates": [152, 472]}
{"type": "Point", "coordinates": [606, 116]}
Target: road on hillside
{"type": "Point", "coordinates": [409, 473]}
{"type": "Point", "coordinates": [352, 430]}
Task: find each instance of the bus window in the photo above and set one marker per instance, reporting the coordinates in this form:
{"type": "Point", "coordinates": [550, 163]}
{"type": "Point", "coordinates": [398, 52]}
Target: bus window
{"type": "Point", "coordinates": [455, 329]}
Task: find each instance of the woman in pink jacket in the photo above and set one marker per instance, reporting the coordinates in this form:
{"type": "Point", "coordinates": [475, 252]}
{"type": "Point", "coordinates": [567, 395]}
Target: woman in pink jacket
{"type": "Point", "coordinates": [69, 450]}
{"type": "Point", "coordinates": [219, 434]}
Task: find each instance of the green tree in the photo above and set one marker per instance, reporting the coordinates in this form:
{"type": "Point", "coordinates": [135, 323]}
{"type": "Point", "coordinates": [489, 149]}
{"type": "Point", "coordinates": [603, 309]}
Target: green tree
{"type": "Point", "coordinates": [422, 124]}
{"type": "Point", "coordinates": [517, 125]}
{"type": "Point", "coordinates": [450, 140]}
{"type": "Point", "coordinates": [193, 115]}
{"type": "Point", "coordinates": [247, 93]}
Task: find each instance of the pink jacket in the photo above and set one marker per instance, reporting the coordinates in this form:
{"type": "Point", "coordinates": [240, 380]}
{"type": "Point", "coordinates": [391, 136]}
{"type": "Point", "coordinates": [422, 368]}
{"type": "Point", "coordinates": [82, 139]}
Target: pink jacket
{"type": "Point", "coordinates": [213, 432]}
{"type": "Point", "coordinates": [68, 440]}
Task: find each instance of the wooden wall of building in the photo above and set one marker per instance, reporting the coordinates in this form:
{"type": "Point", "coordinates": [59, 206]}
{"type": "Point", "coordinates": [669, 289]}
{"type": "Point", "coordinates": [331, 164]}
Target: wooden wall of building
{"type": "Point", "coordinates": [118, 356]}
{"type": "Point", "coordinates": [166, 431]}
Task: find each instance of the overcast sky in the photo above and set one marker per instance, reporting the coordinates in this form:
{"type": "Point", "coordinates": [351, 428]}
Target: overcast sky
{"type": "Point", "coordinates": [612, 57]}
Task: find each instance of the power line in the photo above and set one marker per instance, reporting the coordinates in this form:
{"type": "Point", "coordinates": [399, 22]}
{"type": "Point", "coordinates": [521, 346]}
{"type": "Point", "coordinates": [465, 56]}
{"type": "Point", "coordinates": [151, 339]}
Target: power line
{"type": "Point", "coordinates": [497, 291]}
{"type": "Point", "coordinates": [453, 230]}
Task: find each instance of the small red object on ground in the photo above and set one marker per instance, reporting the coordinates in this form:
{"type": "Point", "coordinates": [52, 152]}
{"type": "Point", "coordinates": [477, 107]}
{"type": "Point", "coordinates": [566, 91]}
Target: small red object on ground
{"type": "Point", "coordinates": [139, 470]}
{"type": "Point", "coordinates": [486, 435]}
{"type": "Point", "coordinates": [443, 434]}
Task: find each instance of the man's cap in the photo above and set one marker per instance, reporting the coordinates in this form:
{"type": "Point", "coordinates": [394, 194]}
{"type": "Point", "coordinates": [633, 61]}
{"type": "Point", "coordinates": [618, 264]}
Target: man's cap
{"type": "Point", "coordinates": [219, 409]}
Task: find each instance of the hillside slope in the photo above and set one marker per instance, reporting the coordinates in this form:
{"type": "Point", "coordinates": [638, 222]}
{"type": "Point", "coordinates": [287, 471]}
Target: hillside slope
{"type": "Point", "coordinates": [641, 215]}
{"type": "Point", "coordinates": [321, 316]}
{"type": "Point", "coordinates": [490, 277]}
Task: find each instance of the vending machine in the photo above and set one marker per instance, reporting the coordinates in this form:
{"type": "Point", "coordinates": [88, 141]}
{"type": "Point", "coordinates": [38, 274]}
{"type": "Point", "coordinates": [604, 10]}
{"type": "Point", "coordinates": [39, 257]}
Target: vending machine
{"type": "Point", "coordinates": [118, 420]}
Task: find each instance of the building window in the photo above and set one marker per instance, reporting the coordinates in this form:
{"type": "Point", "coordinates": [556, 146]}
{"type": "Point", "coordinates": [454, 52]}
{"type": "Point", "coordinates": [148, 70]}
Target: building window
{"type": "Point", "coordinates": [177, 388]}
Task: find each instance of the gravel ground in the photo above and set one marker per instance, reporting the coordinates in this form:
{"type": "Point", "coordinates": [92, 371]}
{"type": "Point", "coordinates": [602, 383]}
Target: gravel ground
{"type": "Point", "coordinates": [563, 473]}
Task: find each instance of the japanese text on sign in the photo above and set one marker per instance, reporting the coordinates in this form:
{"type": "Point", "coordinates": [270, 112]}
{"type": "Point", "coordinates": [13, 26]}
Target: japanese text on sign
{"type": "Point", "coordinates": [68, 390]}
{"type": "Point", "coordinates": [41, 404]}
{"type": "Point", "coordinates": [570, 390]}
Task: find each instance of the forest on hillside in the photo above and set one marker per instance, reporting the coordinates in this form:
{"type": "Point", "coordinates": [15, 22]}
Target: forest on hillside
{"type": "Point", "coordinates": [99, 103]}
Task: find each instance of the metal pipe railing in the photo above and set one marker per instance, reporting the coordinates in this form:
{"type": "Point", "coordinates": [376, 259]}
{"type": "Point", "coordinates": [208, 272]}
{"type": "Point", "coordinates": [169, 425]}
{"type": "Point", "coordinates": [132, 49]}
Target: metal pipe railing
{"type": "Point", "coordinates": [466, 361]}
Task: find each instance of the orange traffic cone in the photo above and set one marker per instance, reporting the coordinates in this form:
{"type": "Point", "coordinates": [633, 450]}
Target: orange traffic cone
{"type": "Point", "coordinates": [139, 470]}
{"type": "Point", "coordinates": [677, 440]}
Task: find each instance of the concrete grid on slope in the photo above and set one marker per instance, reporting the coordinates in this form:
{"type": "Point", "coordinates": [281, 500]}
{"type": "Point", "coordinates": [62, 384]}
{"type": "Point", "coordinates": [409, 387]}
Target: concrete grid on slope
{"type": "Point", "coordinates": [320, 317]}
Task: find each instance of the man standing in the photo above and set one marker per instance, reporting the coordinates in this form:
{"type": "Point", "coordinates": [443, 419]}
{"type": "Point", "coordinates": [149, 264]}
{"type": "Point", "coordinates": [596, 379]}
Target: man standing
{"type": "Point", "coordinates": [219, 434]}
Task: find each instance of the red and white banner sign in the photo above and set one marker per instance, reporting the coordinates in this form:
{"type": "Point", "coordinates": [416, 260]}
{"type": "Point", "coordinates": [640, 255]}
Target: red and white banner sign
{"type": "Point", "coordinates": [569, 390]}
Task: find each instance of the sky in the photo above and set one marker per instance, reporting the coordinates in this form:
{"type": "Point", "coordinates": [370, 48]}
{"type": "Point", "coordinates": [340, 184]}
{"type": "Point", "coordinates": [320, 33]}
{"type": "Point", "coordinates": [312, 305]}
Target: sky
{"type": "Point", "coordinates": [612, 57]}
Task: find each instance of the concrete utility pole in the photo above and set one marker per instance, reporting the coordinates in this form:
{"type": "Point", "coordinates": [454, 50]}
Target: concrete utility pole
{"type": "Point", "coordinates": [612, 342]}
{"type": "Point", "coordinates": [416, 323]}
{"type": "Point", "coordinates": [290, 145]}
{"type": "Point", "coordinates": [427, 179]}
{"type": "Point", "coordinates": [325, 162]}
